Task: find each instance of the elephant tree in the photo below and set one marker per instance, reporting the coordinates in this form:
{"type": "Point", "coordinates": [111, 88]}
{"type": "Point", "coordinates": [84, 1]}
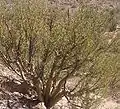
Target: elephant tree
{"type": "Point", "coordinates": [46, 48]}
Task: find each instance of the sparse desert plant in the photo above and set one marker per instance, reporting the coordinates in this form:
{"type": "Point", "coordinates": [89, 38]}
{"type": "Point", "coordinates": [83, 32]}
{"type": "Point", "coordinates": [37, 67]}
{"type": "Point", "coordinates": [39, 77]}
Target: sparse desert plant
{"type": "Point", "coordinates": [46, 48]}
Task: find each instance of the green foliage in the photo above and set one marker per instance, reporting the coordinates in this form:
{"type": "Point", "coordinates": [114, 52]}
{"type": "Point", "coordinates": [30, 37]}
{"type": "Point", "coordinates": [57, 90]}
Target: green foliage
{"type": "Point", "coordinates": [49, 46]}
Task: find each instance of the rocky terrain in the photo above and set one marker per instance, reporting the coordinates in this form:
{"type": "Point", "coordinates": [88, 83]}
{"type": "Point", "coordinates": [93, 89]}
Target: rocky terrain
{"type": "Point", "coordinates": [94, 3]}
{"type": "Point", "coordinates": [107, 103]}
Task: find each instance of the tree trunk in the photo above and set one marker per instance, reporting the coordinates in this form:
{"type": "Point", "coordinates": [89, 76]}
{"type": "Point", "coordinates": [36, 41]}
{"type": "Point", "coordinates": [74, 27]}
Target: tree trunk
{"type": "Point", "coordinates": [47, 107]}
